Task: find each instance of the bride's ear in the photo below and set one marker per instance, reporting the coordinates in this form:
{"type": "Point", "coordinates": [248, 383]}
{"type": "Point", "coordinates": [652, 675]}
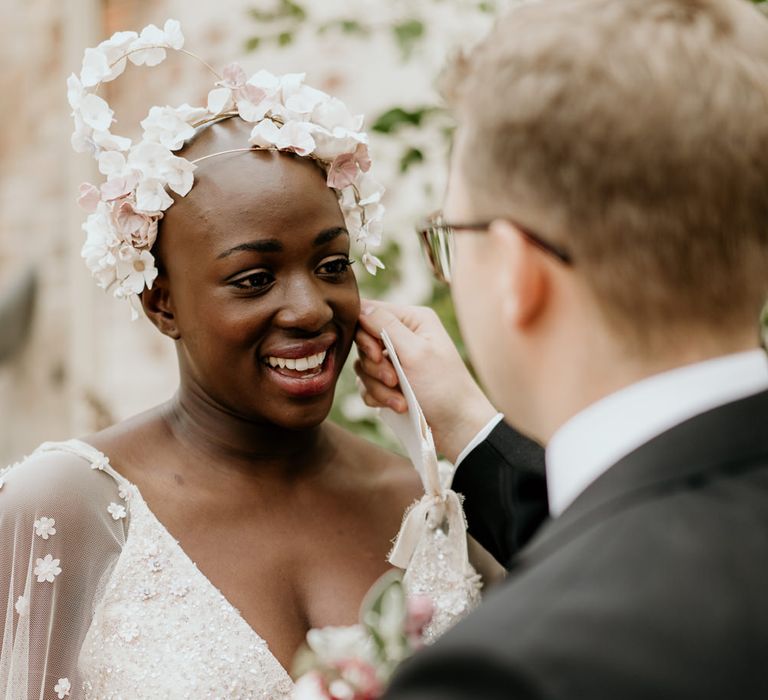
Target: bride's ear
{"type": "Point", "coordinates": [158, 306]}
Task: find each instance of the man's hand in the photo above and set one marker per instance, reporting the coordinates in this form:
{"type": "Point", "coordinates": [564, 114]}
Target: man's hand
{"type": "Point", "coordinates": [453, 404]}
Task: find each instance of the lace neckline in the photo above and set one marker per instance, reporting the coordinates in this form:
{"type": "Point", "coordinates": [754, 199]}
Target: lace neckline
{"type": "Point", "coordinates": [105, 465]}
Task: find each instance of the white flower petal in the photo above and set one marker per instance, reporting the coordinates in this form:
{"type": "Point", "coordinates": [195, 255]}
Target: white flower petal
{"type": "Point", "coordinates": [296, 137]}
{"type": "Point", "coordinates": [95, 112]}
{"type": "Point", "coordinates": [75, 91]}
{"type": "Point", "coordinates": [253, 112]}
{"type": "Point", "coordinates": [333, 113]}
{"type": "Point", "coordinates": [111, 142]}
{"type": "Point", "coordinates": [95, 67]}
{"type": "Point", "coordinates": [111, 163]}
{"type": "Point", "coordinates": [173, 35]}
{"type": "Point", "coordinates": [168, 126]}
{"type": "Point", "coordinates": [219, 100]}
{"type": "Point", "coordinates": [264, 134]}
{"type": "Point", "coordinates": [147, 49]}
{"type": "Point", "coordinates": [266, 81]}
{"type": "Point", "coordinates": [115, 49]}
{"type": "Point", "coordinates": [151, 196]}
{"type": "Point", "coordinates": [290, 83]}
{"type": "Point", "coordinates": [372, 263]}
{"type": "Point", "coordinates": [305, 100]}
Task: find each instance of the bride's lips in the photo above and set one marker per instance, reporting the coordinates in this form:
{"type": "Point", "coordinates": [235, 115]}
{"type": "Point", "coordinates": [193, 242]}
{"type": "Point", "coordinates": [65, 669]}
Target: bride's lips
{"type": "Point", "coordinates": [303, 383]}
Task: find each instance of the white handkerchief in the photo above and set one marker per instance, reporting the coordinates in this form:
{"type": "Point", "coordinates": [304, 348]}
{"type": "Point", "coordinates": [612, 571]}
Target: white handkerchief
{"type": "Point", "coordinates": [411, 428]}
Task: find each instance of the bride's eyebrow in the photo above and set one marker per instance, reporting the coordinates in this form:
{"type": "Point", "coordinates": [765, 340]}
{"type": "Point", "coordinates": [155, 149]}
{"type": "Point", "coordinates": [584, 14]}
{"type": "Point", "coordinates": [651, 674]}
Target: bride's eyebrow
{"type": "Point", "coordinates": [272, 245]}
{"type": "Point", "coordinates": [269, 245]}
{"type": "Point", "coordinates": [329, 234]}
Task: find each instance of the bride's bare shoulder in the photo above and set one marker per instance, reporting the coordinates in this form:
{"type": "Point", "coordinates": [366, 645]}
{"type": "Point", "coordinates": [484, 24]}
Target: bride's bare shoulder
{"type": "Point", "coordinates": [376, 468]}
{"type": "Point", "coordinates": [134, 441]}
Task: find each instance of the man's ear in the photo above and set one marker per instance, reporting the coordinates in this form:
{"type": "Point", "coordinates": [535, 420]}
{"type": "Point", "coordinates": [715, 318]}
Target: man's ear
{"type": "Point", "coordinates": [159, 308]}
{"type": "Point", "coordinates": [524, 285]}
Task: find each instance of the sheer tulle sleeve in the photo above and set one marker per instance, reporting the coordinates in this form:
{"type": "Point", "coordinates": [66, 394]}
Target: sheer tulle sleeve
{"type": "Point", "coordinates": [62, 528]}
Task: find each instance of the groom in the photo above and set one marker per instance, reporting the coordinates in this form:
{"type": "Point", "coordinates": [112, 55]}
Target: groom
{"type": "Point", "coordinates": [609, 201]}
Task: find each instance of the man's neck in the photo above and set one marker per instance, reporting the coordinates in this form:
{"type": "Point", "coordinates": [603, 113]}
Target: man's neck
{"type": "Point", "coordinates": [596, 377]}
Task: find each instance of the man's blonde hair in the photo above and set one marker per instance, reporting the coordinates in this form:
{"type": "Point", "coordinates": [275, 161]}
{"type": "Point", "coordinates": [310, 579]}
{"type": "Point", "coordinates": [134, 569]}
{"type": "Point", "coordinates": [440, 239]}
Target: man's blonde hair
{"type": "Point", "coordinates": [633, 133]}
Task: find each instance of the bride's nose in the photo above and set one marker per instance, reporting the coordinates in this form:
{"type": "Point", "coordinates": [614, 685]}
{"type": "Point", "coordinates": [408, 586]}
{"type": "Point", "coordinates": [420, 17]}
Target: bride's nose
{"type": "Point", "coordinates": [304, 306]}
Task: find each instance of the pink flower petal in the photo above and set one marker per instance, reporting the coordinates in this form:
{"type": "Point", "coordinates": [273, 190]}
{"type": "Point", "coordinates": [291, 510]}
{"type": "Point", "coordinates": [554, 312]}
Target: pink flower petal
{"type": "Point", "coordinates": [118, 186]}
{"type": "Point", "coordinates": [342, 172]}
{"type": "Point", "coordinates": [234, 75]}
{"type": "Point", "coordinates": [362, 158]}
{"type": "Point", "coordinates": [89, 197]}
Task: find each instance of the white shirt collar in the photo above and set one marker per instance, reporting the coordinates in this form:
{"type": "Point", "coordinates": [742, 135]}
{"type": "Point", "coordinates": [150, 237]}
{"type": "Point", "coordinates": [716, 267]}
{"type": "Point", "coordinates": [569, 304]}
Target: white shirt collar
{"type": "Point", "coordinates": [599, 436]}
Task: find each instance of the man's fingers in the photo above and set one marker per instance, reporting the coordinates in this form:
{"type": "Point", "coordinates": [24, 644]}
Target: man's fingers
{"type": "Point", "coordinates": [383, 371]}
{"type": "Point", "coordinates": [378, 395]}
{"type": "Point", "coordinates": [369, 346]}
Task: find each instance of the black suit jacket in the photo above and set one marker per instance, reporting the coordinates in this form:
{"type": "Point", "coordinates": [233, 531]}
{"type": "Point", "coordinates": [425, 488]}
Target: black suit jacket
{"type": "Point", "coordinates": [652, 585]}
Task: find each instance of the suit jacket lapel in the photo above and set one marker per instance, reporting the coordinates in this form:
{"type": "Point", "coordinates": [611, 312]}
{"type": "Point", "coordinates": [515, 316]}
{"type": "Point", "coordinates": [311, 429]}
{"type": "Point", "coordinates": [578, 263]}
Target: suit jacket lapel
{"type": "Point", "coordinates": [727, 439]}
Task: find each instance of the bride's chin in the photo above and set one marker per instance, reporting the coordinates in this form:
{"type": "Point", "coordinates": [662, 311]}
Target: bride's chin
{"type": "Point", "coordinates": [303, 417]}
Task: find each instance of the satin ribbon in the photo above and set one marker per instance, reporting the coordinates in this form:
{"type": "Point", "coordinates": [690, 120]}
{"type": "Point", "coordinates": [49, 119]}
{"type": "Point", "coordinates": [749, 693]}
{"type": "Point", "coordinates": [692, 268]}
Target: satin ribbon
{"type": "Point", "coordinates": [428, 514]}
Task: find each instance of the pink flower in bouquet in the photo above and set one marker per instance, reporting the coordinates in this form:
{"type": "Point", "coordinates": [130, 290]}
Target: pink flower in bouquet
{"type": "Point", "coordinates": [351, 679]}
{"type": "Point", "coordinates": [420, 612]}
{"type": "Point", "coordinates": [359, 676]}
{"type": "Point", "coordinates": [311, 686]}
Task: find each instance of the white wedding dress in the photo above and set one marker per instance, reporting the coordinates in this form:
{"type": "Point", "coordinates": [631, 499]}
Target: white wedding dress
{"type": "Point", "coordinates": [103, 603]}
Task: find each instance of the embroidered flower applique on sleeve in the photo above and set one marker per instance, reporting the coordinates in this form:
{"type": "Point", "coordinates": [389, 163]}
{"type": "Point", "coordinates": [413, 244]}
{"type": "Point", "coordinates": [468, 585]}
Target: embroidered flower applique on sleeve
{"type": "Point", "coordinates": [44, 527]}
{"type": "Point", "coordinates": [22, 606]}
{"type": "Point", "coordinates": [62, 688]}
{"type": "Point", "coordinates": [116, 510]}
{"type": "Point", "coordinates": [47, 569]}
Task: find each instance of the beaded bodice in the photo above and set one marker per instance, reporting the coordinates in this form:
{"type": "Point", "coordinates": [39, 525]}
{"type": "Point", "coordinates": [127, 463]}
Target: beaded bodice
{"type": "Point", "coordinates": [148, 624]}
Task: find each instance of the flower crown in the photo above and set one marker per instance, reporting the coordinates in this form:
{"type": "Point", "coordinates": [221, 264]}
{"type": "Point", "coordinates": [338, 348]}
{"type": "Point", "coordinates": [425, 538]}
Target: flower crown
{"type": "Point", "coordinates": [287, 115]}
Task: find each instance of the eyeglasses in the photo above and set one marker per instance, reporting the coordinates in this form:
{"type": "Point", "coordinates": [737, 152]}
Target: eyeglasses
{"type": "Point", "coordinates": [437, 241]}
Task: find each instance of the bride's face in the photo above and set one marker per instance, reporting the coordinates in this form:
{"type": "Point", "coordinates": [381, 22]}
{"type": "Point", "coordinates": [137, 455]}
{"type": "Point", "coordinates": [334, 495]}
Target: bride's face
{"type": "Point", "coordinates": [255, 265]}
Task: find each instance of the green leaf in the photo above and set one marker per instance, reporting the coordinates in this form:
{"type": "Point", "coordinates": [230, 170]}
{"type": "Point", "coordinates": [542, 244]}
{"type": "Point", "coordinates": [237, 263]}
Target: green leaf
{"type": "Point", "coordinates": [407, 34]}
{"type": "Point", "coordinates": [351, 26]}
{"type": "Point", "coordinates": [252, 43]}
{"type": "Point", "coordinates": [410, 157]}
{"type": "Point", "coordinates": [346, 26]}
{"type": "Point", "coordinates": [293, 9]}
{"type": "Point", "coordinates": [284, 38]}
{"type": "Point", "coordinates": [286, 9]}
{"type": "Point", "coordinates": [396, 117]}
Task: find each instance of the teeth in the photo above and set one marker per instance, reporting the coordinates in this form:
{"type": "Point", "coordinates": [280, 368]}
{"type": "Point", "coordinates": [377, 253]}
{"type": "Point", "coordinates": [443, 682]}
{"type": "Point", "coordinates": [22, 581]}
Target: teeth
{"type": "Point", "coordinates": [301, 364]}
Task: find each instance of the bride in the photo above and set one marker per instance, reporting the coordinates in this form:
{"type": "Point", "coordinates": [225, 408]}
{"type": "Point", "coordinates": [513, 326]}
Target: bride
{"type": "Point", "coordinates": [187, 551]}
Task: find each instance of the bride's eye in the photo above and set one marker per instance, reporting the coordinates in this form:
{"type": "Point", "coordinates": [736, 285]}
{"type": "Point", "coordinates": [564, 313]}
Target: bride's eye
{"type": "Point", "coordinates": [335, 268]}
{"type": "Point", "coordinates": [255, 281]}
